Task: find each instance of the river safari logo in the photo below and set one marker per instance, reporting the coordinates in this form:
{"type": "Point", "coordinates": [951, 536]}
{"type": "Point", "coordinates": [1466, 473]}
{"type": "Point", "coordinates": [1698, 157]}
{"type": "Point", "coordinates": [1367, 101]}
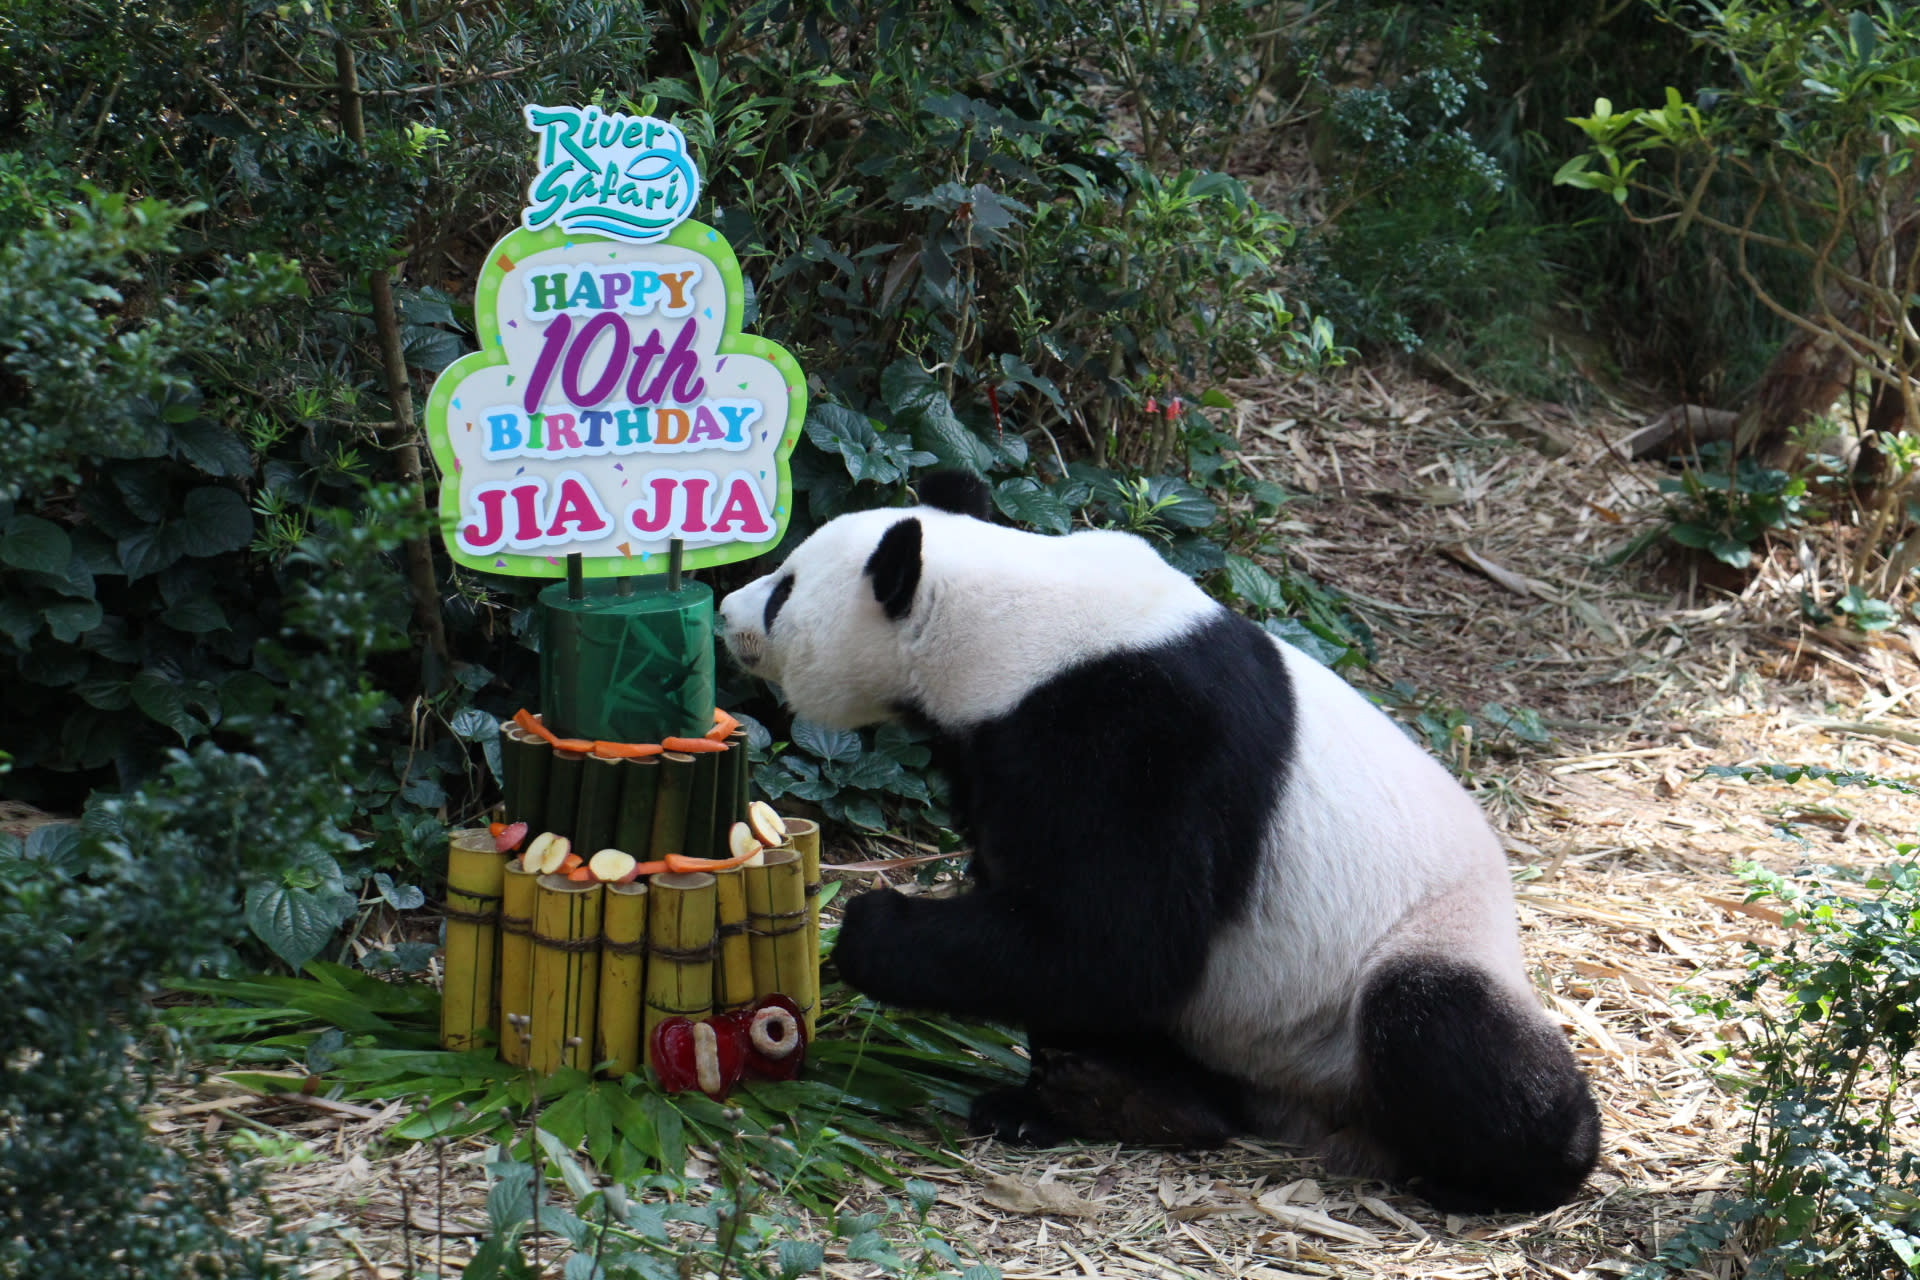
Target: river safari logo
{"type": "Point", "coordinates": [614, 405]}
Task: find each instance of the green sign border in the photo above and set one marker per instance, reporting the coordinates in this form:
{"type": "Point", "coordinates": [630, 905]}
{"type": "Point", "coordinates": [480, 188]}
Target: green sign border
{"type": "Point", "coordinates": [521, 243]}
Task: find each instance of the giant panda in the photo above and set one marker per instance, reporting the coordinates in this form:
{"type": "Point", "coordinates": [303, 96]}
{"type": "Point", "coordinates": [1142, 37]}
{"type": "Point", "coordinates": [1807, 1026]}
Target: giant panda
{"type": "Point", "coordinates": [1223, 892]}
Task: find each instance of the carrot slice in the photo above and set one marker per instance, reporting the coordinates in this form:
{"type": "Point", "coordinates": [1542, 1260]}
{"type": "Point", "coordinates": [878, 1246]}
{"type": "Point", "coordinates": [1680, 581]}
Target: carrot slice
{"type": "Point", "coordinates": [583, 745]}
{"type": "Point", "coordinates": [650, 868]}
{"type": "Point", "coordinates": [627, 750]}
{"type": "Point", "coordinates": [495, 828]}
{"type": "Point", "coordinates": [581, 875]}
{"type": "Point", "coordinates": [724, 724]}
{"type": "Point", "coordinates": [693, 746]}
{"type": "Point", "coordinates": [572, 862]}
{"type": "Point", "coordinates": [526, 720]}
{"type": "Point", "coordinates": [680, 862]}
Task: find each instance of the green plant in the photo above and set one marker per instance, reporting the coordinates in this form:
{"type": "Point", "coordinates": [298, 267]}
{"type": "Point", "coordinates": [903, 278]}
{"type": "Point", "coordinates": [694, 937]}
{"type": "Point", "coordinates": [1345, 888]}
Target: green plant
{"type": "Point", "coordinates": [1726, 508]}
{"type": "Point", "coordinates": [163, 882]}
{"type": "Point", "coordinates": [1829, 1191]}
{"type": "Point", "coordinates": [1816, 124]}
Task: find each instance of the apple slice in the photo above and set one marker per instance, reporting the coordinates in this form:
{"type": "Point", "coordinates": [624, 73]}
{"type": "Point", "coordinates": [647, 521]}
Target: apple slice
{"type": "Point", "coordinates": [768, 828]}
{"type": "Point", "coordinates": [741, 842]}
{"type": "Point", "coordinates": [546, 853]}
{"type": "Point", "coordinates": [509, 836]}
{"type": "Point", "coordinates": [611, 864]}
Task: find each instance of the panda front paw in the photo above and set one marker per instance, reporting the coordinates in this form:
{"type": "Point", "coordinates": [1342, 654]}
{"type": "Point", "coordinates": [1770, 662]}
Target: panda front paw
{"type": "Point", "coordinates": [871, 951]}
{"type": "Point", "coordinates": [1017, 1117]}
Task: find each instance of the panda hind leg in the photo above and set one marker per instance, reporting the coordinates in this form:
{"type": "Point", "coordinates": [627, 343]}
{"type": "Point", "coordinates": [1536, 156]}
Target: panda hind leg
{"type": "Point", "coordinates": [1475, 1100]}
{"type": "Point", "coordinates": [1141, 1092]}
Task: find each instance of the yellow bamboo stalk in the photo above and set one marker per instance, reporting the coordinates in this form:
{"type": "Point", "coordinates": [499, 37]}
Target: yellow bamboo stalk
{"type": "Point", "coordinates": [566, 973]}
{"type": "Point", "coordinates": [804, 835]}
{"type": "Point", "coordinates": [733, 975]}
{"type": "Point", "coordinates": [516, 961]}
{"type": "Point", "coordinates": [623, 963]}
{"type": "Point", "coordinates": [474, 873]}
{"type": "Point", "coordinates": [777, 925]}
{"type": "Point", "coordinates": [680, 938]}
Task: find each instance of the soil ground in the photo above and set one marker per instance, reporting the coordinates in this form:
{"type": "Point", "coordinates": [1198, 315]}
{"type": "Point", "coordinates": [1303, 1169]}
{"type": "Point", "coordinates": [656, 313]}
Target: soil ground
{"type": "Point", "coordinates": [1472, 536]}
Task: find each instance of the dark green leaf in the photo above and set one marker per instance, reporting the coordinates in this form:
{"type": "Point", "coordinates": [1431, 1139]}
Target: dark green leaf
{"type": "Point", "coordinates": [1024, 500]}
{"type": "Point", "coordinates": [212, 448]}
{"type": "Point", "coordinates": [71, 619]}
{"type": "Point", "coordinates": [147, 551]}
{"type": "Point", "coordinates": [214, 521]}
{"type": "Point", "coordinates": [166, 702]}
{"type": "Point", "coordinates": [32, 543]}
{"type": "Point", "coordinates": [297, 922]}
{"type": "Point", "coordinates": [196, 616]}
{"type": "Point", "coordinates": [841, 745]}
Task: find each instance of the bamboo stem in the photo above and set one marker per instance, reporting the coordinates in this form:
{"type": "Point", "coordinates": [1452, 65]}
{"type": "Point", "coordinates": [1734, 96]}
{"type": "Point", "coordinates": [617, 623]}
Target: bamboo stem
{"type": "Point", "coordinates": [804, 835]}
{"type": "Point", "coordinates": [599, 815]}
{"type": "Point", "coordinates": [566, 974]}
{"type": "Point", "coordinates": [633, 833]}
{"type": "Point", "coordinates": [777, 926]}
{"type": "Point", "coordinates": [475, 871]}
{"type": "Point", "coordinates": [701, 801]}
{"type": "Point", "coordinates": [733, 986]}
{"type": "Point", "coordinates": [563, 792]}
{"type": "Point", "coordinates": [680, 937]}
{"type": "Point", "coordinates": [525, 760]}
{"type": "Point", "coordinates": [623, 963]}
{"type": "Point", "coordinates": [670, 804]}
{"type": "Point", "coordinates": [516, 961]}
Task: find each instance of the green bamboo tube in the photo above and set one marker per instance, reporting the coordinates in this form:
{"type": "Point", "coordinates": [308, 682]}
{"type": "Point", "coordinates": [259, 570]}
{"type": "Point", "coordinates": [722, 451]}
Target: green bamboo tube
{"type": "Point", "coordinates": [733, 986]}
{"type": "Point", "coordinates": [563, 793]}
{"type": "Point", "coordinates": [623, 963]}
{"type": "Point", "coordinates": [475, 870]}
{"type": "Point", "coordinates": [777, 925]}
{"type": "Point", "coordinates": [701, 799]}
{"type": "Point", "coordinates": [680, 919]}
{"type": "Point", "coordinates": [639, 782]}
{"type": "Point", "coordinates": [742, 774]}
{"type": "Point", "coordinates": [599, 814]}
{"type": "Point", "coordinates": [516, 961]}
{"type": "Point", "coordinates": [804, 835]}
{"type": "Point", "coordinates": [670, 805]}
{"type": "Point", "coordinates": [525, 759]}
{"type": "Point", "coordinates": [566, 973]}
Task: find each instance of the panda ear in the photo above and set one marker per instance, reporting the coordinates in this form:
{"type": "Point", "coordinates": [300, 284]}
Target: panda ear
{"type": "Point", "coordinates": [961, 492]}
{"type": "Point", "coordinates": [894, 567]}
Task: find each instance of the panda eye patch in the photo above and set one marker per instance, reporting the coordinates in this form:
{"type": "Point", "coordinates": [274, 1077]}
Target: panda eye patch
{"type": "Point", "coordinates": [781, 590]}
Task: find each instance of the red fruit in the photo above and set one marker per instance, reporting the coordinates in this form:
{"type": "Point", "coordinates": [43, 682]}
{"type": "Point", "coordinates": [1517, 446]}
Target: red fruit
{"type": "Point", "coordinates": [508, 838]}
{"type": "Point", "coordinates": [708, 1055]}
{"type": "Point", "coordinates": [775, 1036]}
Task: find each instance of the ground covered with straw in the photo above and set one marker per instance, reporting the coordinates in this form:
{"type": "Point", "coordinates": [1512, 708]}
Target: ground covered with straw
{"type": "Point", "coordinates": [1472, 535]}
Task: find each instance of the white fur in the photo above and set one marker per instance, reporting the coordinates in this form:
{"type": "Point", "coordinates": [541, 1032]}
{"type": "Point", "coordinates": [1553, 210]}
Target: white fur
{"type": "Point", "coordinates": [998, 612]}
{"type": "Point", "coordinates": [1375, 852]}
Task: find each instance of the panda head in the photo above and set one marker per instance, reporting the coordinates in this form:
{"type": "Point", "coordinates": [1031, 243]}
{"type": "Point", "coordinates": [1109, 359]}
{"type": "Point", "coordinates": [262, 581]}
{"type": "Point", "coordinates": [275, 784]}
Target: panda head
{"type": "Point", "coordinates": [830, 625]}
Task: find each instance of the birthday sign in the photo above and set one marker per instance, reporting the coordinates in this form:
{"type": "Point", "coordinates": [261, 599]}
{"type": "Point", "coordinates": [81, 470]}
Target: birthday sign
{"type": "Point", "coordinates": [614, 404]}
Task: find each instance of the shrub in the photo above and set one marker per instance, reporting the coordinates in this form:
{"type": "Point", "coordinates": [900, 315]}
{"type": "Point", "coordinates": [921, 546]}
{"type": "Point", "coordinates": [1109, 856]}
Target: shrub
{"type": "Point", "coordinates": [161, 882]}
{"type": "Point", "coordinates": [1834, 1019]}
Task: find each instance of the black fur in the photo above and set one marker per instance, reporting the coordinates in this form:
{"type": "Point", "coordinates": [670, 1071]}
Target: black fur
{"type": "Point", "coordinates": [894, 567]}
{"type": "Point", "coordinates": [1482, 1109]}
{"type": "Point", "coordinates": [1118, 815]}
{"type": "Point", "coordinates": [1140, 1088]}
{"type": "Point", "coordinates": [960, 492]}
{"type": "Point", "coordinates": [776, 600]}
